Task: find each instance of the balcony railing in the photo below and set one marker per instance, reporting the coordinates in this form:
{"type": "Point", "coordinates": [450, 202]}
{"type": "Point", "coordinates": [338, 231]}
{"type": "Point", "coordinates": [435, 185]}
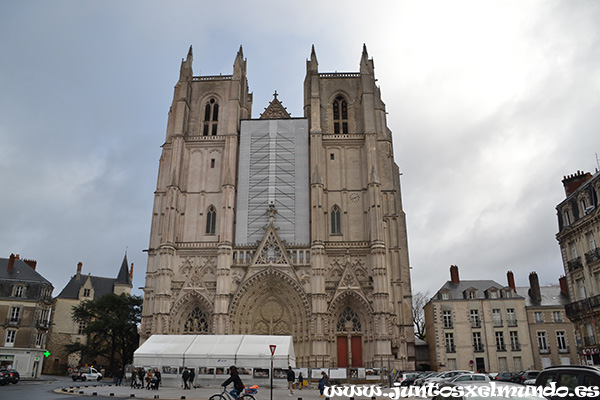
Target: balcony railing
{"type": "Point", "coordinates": [13, 321]}
{"type": "Point", "coordinates": [589, 341]}
{"type": "Point", "coordinates": [448, 325]}
{"type": "Point", "coordinates": [478, 348]}
{"type": "Point", "coordinates": [475, 323]}
{"type": "Point", "coordinates": [497, 322]}
{"type": "Point", "coordinates": [563, 351]}
{"type": "Point", "coordinates": [545, 351]}
{"type": "Point", "coordinates": [582, 306]}
{"type": "Point", "coordinates": [43, 324]}
{"type": "Point", "coordinates": [592, 256]}
{"type": "Point", "coordinates": [511, 321]}
{"type": "Point", "coordinates": [450, 349]}
{"type": "Point", "coordinates": [574, 264]}
{"type": "Point", "coordinates": [515, 347]}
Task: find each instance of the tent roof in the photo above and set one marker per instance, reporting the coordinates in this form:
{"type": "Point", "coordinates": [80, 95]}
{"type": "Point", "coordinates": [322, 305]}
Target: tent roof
{"type": "Point", "coordinates": [213, 350]}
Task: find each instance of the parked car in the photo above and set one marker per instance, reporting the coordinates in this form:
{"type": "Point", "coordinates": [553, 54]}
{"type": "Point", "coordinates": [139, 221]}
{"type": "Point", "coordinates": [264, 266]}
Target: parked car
{"type": "Point", "coordinates": [504, 377]}
{"type": "Point", "coordinates": [421, 381]}
{"type": "Point", "coordinates": [505, 396]}
{"type": "Point", "coordinates": [572, 376]}
{"type": "Point", "coordinates": [470, 378]}
{"type": "Point", "coordinates": [8, 375]}
{"type": "Point", "coordinates": [411, 380]}
{"type": "Point", "coordinates": [404, 376]}
{"type": "Point", "coordinates": [522, 376]}
{"type": "Point", "coordinates": [86, 374]}
{"type": "Point", "coordinates": [446, 376]}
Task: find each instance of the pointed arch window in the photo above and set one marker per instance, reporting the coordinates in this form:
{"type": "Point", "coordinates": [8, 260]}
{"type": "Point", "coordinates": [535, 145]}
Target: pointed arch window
{"type": "Point", "coordinates": [349, 321]}
{"type": "Point", "coordinates": [211, 117]}
{"type": "Point", "coordinates": [336, 226]}
{"type": "Point", "coordinates": [340, 115]}
{"type": "Point", "coordinates": [196, 322]}
{"type": "Point", "coordinates": [211, 220]}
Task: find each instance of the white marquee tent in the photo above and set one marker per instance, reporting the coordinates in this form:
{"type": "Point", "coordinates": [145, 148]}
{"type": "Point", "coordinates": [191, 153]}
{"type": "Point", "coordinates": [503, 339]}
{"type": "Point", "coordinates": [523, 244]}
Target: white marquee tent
{"type": "Point", "coordinates": [248, 351]}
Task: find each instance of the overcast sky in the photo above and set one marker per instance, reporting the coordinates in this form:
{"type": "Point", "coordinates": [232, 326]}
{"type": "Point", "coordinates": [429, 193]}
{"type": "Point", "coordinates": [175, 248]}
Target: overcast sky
{"type": "Point", "coordinates": [490, 103]}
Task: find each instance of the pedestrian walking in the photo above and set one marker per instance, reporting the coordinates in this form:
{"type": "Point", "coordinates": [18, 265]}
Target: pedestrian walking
{"type": "Point", "coordinates": [185, 376]}
{"type": "Point", "coordinates": [191, 378]}
{"type": "Point", "coordinates": [300, 381]}
{"type": "Point", "coordinates": [291, 378]}
{"type": "Point", "coordinates": [324, 381]}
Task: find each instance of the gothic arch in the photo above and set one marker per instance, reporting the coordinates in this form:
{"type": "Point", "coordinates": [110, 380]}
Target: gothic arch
{"type": "Point", "coordinates": [358, 304]}
{"type": "Point", "coordinates": [190, 304]}
{"type": "Point", "coordinates": [271, 303]}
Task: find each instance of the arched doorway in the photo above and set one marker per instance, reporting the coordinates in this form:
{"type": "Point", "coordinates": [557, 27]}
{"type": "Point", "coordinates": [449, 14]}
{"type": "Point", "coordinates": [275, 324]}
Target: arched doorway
{"type": "Point", "coordinates": [272, 303]}
{"type": "Point", "coordinates": [349, 339]}
{"type": "Point", "coordinates": [191, 314]}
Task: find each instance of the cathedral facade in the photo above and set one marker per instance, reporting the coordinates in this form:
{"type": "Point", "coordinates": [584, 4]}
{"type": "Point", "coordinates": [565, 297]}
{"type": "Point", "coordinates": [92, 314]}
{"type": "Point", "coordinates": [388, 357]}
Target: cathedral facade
{"type": "Point", "coordinates": [281, 225]}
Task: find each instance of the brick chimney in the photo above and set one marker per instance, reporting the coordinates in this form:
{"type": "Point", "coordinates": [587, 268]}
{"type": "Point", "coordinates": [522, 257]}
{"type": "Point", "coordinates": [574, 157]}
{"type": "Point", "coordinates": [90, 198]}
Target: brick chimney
{"type": "Point", "coordinates": [511, 280]}
{"type": "Point", "coordinates": [31, 263]}
{"type": "Point", "coordinates": [11, 262]}
{"type": "Point", "coordinates": [564, 288]}
{"type": "Point", "coordinates": [572, 182]}
{"type": "Point", "coordinates": [79, 267]}
{"type": "Point", "coordinates": [131, 272]}
{"type": "Point", "coordinates": [534, 287]}
{"type": "Point", "coordinates": [454, 274]}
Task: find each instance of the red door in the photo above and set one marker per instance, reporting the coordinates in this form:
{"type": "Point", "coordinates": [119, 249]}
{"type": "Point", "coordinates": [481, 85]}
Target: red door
{"type": "Point", "coordinates": [342, 351]}
{"type": "Point", "coordinates": [356, 351]}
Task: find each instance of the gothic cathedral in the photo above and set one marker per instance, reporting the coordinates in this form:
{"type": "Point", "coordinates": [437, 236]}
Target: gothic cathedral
{"type": "Point", "coordinates": [282, 225]}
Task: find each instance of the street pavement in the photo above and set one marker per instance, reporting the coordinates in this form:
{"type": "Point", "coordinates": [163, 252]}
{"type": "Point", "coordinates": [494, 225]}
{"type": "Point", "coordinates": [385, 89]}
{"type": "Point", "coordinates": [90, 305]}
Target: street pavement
{"type": "Point", "coordinates": [203, 391]}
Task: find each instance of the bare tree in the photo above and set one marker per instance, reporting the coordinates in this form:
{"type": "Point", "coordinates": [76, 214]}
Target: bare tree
{"type": "Point", "coordinates": [418, 314]}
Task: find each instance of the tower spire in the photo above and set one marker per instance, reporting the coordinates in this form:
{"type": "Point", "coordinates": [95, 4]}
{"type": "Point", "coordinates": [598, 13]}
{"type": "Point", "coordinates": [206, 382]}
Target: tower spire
{"type": "Point", "coordinates": [185, 72]}
{"type": "Point", "coordinates": [312, 64]}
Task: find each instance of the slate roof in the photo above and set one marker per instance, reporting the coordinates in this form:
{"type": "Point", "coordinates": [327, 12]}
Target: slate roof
{"type": "Point", "coordinates": [551, 296]}
{"type": "Point", "coordinates": [20, 272]}
{"type": "Point", "coordinates": [457, 289]}
{"type": "Point", "coordinates": [124, 277]}
{"type": "Point", "coordinates": [101, 285]}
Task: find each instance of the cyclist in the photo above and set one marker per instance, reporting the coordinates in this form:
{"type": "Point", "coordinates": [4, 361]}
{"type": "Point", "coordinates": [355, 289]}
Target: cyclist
{"type": "Point", "coordinates": [238, 386]}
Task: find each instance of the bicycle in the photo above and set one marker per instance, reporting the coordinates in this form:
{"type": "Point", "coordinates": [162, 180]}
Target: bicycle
{"type": "Point", "coordinates": [225, 395]}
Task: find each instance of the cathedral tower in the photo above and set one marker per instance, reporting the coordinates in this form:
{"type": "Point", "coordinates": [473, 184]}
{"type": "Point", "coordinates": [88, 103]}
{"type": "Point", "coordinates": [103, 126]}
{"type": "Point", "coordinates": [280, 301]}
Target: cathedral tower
{"type": "Point", "coordinates": [282, 225]}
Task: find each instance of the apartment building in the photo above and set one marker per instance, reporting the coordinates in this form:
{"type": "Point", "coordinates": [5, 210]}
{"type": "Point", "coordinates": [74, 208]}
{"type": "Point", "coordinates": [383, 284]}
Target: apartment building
{"type": "Point", "coordinates": [478, 325]}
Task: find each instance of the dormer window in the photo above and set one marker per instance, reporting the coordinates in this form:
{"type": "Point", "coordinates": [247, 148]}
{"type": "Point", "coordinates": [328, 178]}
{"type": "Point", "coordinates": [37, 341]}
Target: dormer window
{"type": "Point", "coordinates": [492, 294]}
{"type": "Point", "coordinates": [470, 294]}
{"type": "Point", "coordinates": [340, 115]}
{"type": "Point", "coordinates": [211, 116]}
{"type": "Point", "coordinates": [86, 292]}
{"type": "Point", "coordinates": [445, 296]}
{"type": "Point", "coordinates": [19, 291]}
{"type": "Point", "coordinates": [567, 216]}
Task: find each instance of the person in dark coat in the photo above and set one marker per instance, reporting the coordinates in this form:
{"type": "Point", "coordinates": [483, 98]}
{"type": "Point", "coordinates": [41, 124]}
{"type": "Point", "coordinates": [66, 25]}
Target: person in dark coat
{"type": "Point", "coordinates": [191, 377]}
{"type": "Point", "coordinates": [119, 376]}
{"type": "Point", "coordinates": [300, 381]}
{"type": "Point", "coordinates": [324, 381]}
{"type": "Point", "coordinates": [234, 377]}
{"type": "Point", "coordinates": [185, 376]}
{"type": "Point", "coordinates": [291, 377]}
